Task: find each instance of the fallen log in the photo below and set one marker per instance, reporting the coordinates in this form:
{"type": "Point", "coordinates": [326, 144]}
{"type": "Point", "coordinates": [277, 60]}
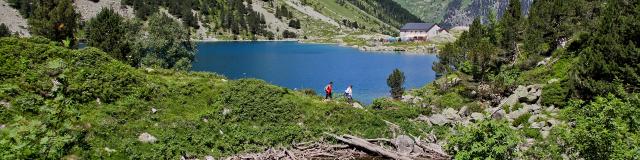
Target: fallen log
{"type": "Point", "coordinates": [364, 144]}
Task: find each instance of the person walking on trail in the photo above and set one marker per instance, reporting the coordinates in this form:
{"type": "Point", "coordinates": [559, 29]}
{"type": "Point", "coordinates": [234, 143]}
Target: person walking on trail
{"type": "Point", "coordinates": [349, 93]}
{"type": "Point", "coordinates": [327, 90]}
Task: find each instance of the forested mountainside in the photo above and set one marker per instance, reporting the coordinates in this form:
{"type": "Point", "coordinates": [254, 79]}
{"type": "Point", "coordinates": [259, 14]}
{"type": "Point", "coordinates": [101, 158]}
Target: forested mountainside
{"type": "Point", "coordinates": [254, 19]}
{"type": "Point", "coordinates": [389, 12]}
{"type": "Point", "coordinates": [451, 13]}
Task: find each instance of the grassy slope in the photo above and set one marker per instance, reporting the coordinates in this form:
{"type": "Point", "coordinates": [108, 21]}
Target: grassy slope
{"type": "Point", "coordinates": [102, 106]}
{"type": "Point", "coordinates": [331, 9]}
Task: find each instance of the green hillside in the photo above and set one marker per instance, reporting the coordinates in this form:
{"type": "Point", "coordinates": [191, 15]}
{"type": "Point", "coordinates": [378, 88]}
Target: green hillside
{"type": "Point", "coordinates": [58, 102]}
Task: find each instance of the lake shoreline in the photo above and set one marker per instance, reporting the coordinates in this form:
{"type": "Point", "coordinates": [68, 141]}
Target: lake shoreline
{"type": "Point", "coordinates": [299, 65]}
{"type": "Point", "coordinates": [374, 49]}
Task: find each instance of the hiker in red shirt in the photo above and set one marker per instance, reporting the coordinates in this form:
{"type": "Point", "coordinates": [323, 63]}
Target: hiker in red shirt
{"type": "Point", "coordinates": [328, 89]}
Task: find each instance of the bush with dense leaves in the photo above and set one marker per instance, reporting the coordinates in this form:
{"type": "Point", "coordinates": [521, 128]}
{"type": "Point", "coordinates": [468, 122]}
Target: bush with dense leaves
{"type": "Point", "coordinates": [607, 128]}
{"type": "Point", "coordinates": [251, 100]}
{"type": "Point", "coordinates": [487, 139]}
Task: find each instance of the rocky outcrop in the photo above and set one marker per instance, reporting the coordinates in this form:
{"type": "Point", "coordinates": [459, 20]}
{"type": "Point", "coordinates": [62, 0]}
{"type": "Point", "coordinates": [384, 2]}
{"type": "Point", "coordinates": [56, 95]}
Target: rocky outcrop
{"type": "Point", "coordinates": [411, 99]}
{"type": "Point", "coordinates": [529, 94]}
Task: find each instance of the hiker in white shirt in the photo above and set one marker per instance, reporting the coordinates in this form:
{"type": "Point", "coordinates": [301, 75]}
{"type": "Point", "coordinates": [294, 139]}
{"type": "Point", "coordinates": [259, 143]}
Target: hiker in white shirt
{"type": "Point", "coordinates": [349, 93]}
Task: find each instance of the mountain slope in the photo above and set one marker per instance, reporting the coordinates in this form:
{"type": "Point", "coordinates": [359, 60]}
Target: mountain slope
{"type": "Point", "coordinates": [451, 13]}
{"type": "Point", "coordinates": [254, 19]}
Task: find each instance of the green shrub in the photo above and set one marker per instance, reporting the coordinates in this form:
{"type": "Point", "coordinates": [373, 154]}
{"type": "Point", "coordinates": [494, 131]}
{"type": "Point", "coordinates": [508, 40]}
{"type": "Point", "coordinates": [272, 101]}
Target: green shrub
{"type": "Point", "coordinates": [556, 94]}
{"type": "Point", "coordinates": [385, 103]}
{"type": "Point", "coordinates": [522, 120]}
{"type": "Point", "coordinates": [395, 81]}
{"type": "Point", "coordinates": [451, 100]}
{"type": "Point", "coordinates": [252, 100]}
{"type": "Point", "coordinates": [487, 139]}
{"type": "Point", "coordinates": [309, 92]}
{"type": "Point", "coordinates": [532, 133]}
{"type": "Point", "coordinates": [475, 107]}
{"type": "Point", "coordinates": [506, 108]}
{"type": "Point", "coordinates": [606, 128]}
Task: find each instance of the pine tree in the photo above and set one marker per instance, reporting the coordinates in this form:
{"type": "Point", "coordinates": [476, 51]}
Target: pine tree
{"type": "Point", "coordinates": [167, 45]}
{"type": "Point", "coordinates": [512, 25]}
{"type": "Point", "coordinates": [609, 60]}
{"type": "Point", "coordinates": [396, 81]}
{"type": "Point", "coordinates": [552, 22]}
{"type": "Point", "coordinates": [4, 30]}
{"type": "Point", "coordinates": [55, 19]}
{"type": "Point", "coordinates": [109, 32]}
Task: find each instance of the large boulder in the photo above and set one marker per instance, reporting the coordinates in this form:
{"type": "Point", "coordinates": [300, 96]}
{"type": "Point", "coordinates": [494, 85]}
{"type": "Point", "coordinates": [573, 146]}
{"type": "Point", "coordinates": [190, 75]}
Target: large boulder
{"type": "Point", "coordinates": [451, 114]}
{"type": "Point", "coordinates": [496, 113]}
{"type": "Point", "coordinates": [475, 116]}
{"type": "Point", "coordinates": [529, 94]}
{"type": "Point", "coordinates": [411, 99]}
{"type": "Point", "coordinates": [439, 119]}
{"type": "Point", "coordinates": [464, 111]}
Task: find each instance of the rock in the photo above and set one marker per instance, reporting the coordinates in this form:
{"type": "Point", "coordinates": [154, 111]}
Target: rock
{"type": "Point", "coordinates": [544, 133]}
{"type": "Point", "coordinates": [226, 111]}
{"type": "Point", "coordinates": [357, 105]}
{"type": "Point", "coordinates": [417, 150]}
{"type": "Point", "coordinates": [535, 117]}
{"type": "Point", "coordinates": [529, 94]}
{"type": "Point", "coordinates": [109, 149]}
{"type": "Point", "coordinates": [6, 104]}
{"type": "Point", "coordinates": [552, 109]}
{"type": "Point", "coordinates": [154, 110]}
{"type": "Point", "coordinates": [475, 116]}
{"type": "Point", "coordinates": [545, 61]}
{"type": "Point", "coordinates": [407, 98]}
{"type": "Point", "coordinates": [404, 144]}
{"type": "Point", "coordinates": [411, 99]}
{"type": "Point", "coordinates": [552, 122]}
{"type": "Point", "coordinates": [439, 119]}
{"type": "Point", "coordinates": [147, 138]}
{"type": "Point", "coordinates": [496, 113]}
{"type": "Point", "coordinates": [2, 126]}
{"type": "Point", "coordinates": [517, 113]}
{"type": "Point", "coordinates": [56, 85]}
{"type": "Point", "coordinates": [209, 158]}
{"type": "Point", "coordinates": [422, 118]}
{"type": "Point", "coordinates": [464, 111]}
{"type": "Point", "coordinates": [533, 107]}
{"type": "Point", "coordinates": [536, 125]}
{"type": "Point", "coordinates": [451, 114]}
{"type": "Point", "coordinates": [149, 69]}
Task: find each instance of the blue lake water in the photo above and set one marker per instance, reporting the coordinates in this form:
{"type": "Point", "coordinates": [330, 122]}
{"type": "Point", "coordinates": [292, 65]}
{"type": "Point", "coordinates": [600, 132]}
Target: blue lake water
{"type": "Point", "coordinates": [297, 65]}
